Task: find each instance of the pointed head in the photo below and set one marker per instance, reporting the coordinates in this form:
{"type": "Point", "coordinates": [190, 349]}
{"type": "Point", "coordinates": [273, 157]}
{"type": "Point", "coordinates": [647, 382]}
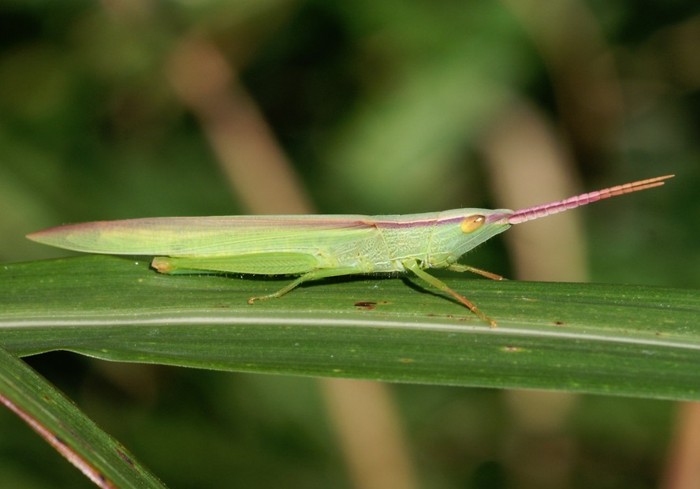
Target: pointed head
{"type": "Point", "coordinates": [458, 231]}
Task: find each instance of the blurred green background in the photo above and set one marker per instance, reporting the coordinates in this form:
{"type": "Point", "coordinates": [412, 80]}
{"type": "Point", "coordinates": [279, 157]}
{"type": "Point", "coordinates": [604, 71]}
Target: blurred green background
{"type": "Point", "coordinates": [379, 108]}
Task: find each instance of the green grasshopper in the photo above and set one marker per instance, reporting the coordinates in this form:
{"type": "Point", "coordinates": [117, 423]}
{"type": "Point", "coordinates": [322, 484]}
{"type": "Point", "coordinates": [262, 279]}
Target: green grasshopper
{"type": "Point", "coordinates": [315, 246]}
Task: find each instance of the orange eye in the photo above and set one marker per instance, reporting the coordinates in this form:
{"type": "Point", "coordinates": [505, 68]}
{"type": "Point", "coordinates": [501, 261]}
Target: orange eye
{"type": "Point", "coordinates": [472, 223]}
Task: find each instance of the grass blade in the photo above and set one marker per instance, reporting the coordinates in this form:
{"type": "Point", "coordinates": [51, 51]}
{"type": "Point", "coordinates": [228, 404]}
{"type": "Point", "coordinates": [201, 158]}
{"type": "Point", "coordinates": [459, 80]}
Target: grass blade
{"type": "Point", "coordinates": [615, 339]}
{"type": "Point", "coordinates": [56, 419]}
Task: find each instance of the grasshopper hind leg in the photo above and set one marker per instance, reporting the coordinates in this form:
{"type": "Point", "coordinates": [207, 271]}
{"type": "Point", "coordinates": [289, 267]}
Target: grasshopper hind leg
{"type": "Point", "coordinates": [287, 288]}
{"type": "Point", "coordinates": [307, 277]}
{"type": "Point", "coordinates": [268, 264]}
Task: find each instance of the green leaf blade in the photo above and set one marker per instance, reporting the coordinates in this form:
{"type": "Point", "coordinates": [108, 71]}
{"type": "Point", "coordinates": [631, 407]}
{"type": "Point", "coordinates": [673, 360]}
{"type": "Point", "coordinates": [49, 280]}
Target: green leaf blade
{"type": "Point", "coordinates": [622, 340]}
{"type": "Point", "coordinates": [56, 419]}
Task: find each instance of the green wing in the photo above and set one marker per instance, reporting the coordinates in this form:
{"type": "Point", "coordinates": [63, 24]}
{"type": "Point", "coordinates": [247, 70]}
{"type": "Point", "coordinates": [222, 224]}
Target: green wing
{"type": "Point", "coordinates": [210, 236]}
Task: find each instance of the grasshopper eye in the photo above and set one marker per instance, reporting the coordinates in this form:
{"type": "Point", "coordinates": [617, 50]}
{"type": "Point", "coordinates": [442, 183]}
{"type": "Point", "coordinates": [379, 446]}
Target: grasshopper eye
{"type": "Point", "coordinates": [472, 223]}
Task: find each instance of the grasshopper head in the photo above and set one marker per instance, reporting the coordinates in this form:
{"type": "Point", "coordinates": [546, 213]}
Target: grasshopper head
{"type": "Point", "coordinates": [460, 230]}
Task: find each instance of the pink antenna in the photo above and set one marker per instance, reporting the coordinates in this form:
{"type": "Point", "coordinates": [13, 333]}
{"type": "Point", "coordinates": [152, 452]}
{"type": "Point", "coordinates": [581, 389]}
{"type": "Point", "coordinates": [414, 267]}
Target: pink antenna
{"type": "Point", "coordinates": [530, 213]}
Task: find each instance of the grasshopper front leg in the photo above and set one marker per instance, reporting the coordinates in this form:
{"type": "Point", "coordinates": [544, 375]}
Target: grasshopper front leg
{"type": "Point", "coordinates": [458, 267]}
